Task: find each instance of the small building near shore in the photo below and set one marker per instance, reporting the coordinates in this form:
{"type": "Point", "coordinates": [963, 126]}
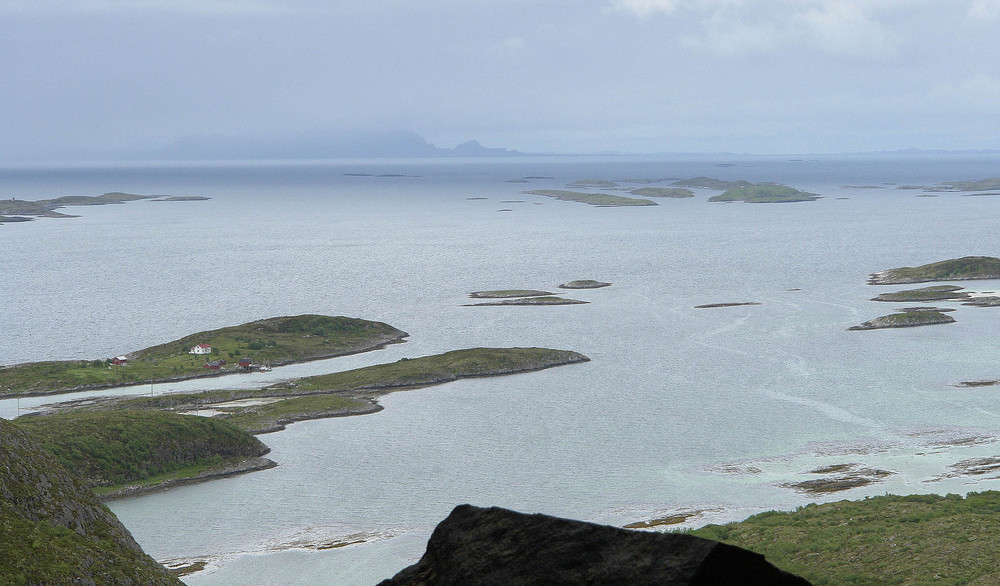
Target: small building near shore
{"type": "Point", "coordinates": [119, 360]}
{"type": "Point", "coordinates": [246, 364]}
{"type": "Point", "coordinates": [214, 365]}
{"type": "Point", "coordinates": [201, 349]}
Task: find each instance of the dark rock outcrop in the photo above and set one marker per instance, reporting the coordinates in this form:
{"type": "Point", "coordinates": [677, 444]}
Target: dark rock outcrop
{"type": "Point", "coordinates": [53, 530]}
{"type": "Point", "coordinates": [497, 546]}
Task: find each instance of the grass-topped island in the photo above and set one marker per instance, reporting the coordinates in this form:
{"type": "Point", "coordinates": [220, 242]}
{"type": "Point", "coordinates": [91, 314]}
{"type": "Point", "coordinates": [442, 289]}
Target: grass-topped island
{"type": "Point", "coordinates": [932, 293]}
{"type": "Point", "coordinates": [765, 193]}
{"type": "Point", "coordinates": [508, 293]}
{"type": "Point", "coordinates": [956, 269]}
{"type": "Point", "coordinates": [273, 341]}
{"type": "Point", "coordinates": [906, 319]}
{"type": "Point", "coordinates": [594, 199]}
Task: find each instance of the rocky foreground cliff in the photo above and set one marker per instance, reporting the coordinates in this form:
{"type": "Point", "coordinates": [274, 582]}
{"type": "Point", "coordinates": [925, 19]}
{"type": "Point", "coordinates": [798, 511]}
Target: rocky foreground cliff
{"type": "Point", "coordinates": [498, 546]}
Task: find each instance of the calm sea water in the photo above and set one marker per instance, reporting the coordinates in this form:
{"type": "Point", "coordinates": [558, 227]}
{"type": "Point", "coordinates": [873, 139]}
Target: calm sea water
{"type": "Point", "coordinates": [680, 409]}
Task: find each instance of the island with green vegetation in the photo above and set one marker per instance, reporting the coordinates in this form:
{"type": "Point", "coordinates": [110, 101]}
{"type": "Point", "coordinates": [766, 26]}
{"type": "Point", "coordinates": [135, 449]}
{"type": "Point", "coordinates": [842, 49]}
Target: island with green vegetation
{"type": "Point", "coordinates": [957, 269]}
{"type": "Point", "coordinates": [710, 183]}
{"type": "Point", "coordinates": [593, 183]}
{"type": "Point", "coordinates": [594, 199]}
{"type": "Point", "coordinates": [765, 193]}
{"type": "Point", "coordinates": [734, 304]}
{"type": "Point", "coordinates": [17, 210]}
{"type": "Point", "coordinates": [126, 452]}
{"type": "Point", "coordinates": [351, 392]}
{"type": "Point", "coordinates": [917, 539]}
{"type": "Point", "coordinates": [984, 301]}
{"type": "Point", "coordinates": [973, 185]}
{"type": "Point", "coordinates": [53, 530]}
{"type": "Point", "coordinates": [671, 192]}
{"type": "Point", "coordinates": [932, 293]}
{"type": "Point", "coordinates": [906, 319]}
{"type": "Point", "coordinates": [505, 293]}
{"type": "Point", "coordinates": [546, 300]}
{"type": "Point", "coordinates": [584, 284]}
{"type": "Point", "coordinates": [273, 341]}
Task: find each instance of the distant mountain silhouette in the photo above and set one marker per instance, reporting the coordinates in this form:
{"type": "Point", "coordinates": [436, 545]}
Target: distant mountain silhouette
{"type": "Point", "coordinates": [371, 145]}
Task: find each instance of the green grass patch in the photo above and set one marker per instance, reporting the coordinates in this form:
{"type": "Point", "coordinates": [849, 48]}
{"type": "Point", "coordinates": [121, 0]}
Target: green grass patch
{"type": "Point", "coordinates": [920, 539]}
{"type": "Point", "coordinates": [109, 448]}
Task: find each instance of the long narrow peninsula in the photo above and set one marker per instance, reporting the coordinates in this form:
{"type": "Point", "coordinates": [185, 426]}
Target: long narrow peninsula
{"type": "Point", "coordinates": [351, 392]}
{"type": "Point", "coordinates": [272, 341]}
{"type": "Point", "coordinates": [594, 199]}
{"type": "Point", "coordinates": [19, 210]}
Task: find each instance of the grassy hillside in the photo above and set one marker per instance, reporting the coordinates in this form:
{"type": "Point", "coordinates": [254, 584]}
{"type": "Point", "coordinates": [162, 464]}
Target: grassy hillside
{"type": "Point", "coordinates": [109, 448]}
{"type": "Point", "coordinates": [276, 341]}
{"type": "Point", "coordinates": [921, 539]}
{"type": "Point", "coordinates": [54, 531]}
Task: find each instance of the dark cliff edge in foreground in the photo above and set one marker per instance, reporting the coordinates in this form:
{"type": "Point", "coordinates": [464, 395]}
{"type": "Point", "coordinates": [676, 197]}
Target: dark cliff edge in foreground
{"type": "Point", "coordinates": [54, 531]}
{"type": "Point", "coordinates": [498, 546]}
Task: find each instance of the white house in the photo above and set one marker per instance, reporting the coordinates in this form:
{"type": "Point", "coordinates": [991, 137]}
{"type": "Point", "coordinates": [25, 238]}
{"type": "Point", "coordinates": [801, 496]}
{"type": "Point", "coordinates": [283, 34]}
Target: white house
{"type": "Point", "coordinates": [201, 349]}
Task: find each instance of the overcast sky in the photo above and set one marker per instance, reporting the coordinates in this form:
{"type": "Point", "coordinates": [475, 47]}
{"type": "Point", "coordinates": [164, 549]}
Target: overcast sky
{"type": "Point", "coordinates": [756, 76]}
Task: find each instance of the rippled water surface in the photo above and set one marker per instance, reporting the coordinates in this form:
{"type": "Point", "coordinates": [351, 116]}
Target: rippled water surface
{"type": "Point", "coordinates": [680, 409]}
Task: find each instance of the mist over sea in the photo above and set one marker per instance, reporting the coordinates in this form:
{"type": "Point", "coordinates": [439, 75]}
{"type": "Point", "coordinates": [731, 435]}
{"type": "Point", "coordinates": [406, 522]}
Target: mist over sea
{"type": "Point", "coordinates": [681, 409]}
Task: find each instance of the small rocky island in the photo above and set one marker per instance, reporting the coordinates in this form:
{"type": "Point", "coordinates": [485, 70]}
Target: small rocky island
{"type": "Point", "coordinates": [932, 293]}
{"type": "Point", "coordinates": [593, 184]}
{"type": "Point", "coordinates": [594, 199]}
{"type": "Point", "coordinates": [584, 284]}
{"type": "Point", "coordinates": [765, 193]}
{"type": "Point", "coordinates": [907, 319]}
{"type": "Point", "coordinates": [957, 269]}
{"type": "Point", "coordinates": [748, 192]}
{"type": "Point", "coordinates": [669, 192]}
{"type": "Point", "coordinates": [507, 293]}
{"type": "Point", "coordinates": [543, 300]}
